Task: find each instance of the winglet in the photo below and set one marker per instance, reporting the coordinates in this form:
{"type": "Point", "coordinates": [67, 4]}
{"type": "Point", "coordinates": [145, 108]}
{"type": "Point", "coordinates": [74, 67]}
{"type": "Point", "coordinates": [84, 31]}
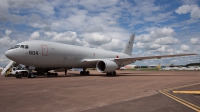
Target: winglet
{"type": "Point", "coordinates": [129, 46]}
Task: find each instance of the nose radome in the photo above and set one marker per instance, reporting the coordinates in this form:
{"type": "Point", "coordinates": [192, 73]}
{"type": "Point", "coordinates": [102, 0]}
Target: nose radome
{"type": "Point", "coordinates": [8, 54]}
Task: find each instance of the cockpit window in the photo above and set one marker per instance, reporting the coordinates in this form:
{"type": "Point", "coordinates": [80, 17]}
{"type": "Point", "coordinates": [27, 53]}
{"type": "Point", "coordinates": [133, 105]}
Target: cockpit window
{"type": "Point", "coordinates": [17, 46]}
{"type": "Point", "coordinates": [26, 46]}
{"type": "Point", "coordinates": [22, 46]}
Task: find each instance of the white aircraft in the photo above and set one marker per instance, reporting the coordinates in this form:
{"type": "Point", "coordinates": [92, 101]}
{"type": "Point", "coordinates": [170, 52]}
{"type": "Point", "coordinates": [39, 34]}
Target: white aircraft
{"type": "Point", "coordinates": [45, 56]}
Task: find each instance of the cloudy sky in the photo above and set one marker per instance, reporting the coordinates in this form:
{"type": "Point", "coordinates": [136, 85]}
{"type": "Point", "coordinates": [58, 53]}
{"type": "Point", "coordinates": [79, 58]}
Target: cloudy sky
{"type": "Point", "coordinates": [161, 27]}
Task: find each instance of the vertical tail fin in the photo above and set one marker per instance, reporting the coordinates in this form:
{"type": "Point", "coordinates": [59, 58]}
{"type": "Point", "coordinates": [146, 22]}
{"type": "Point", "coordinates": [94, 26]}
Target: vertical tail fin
{"type": "Point", "coordinates": [129, 46]}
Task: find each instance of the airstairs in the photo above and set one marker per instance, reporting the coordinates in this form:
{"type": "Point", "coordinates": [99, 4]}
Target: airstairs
{"type": "Point", "coordinates": [8, 67]}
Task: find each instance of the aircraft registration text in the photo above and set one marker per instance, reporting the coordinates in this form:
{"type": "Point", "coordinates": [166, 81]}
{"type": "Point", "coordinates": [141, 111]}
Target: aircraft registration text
{"type": "Point", "coordinates": [33, 52]}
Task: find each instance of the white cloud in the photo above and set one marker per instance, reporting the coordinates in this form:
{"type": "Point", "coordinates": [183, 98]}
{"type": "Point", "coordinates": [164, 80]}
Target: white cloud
{"type": "Point", "coordinates": [185, 47]}
{"type": "Point", "coordinates": [114, 45]}
{"type": "Point", "coordinates": [156, 32]}
{"type": "Point", "coordinates": [34, 35]}
{"type": "Point", "coordinates": [8, 32]}
{"type": "Point", "coordinates": [184, 9]}
{"type": "Point", "coordinates": [50, 34]}
{"type": "Point", "coordinates": [145, 38]}
{"type": "Point", "coordinates": [97, 38]}
{"type": "Point", "coordinates": [69, 37]}
{"type": "Point", "coordinates": [194, 10]}
{"type": "Point", "coordinates": [6, 41]}
{"type": "Point", "coordinates": [154, 46]}
{"type": "Point", "coordinates": [166, 49]}
{"type": "Point", "coordinates": [147, 46]}
{"type": "Point", "coordinates": [162, 32]}
{"type": "Point", "coordinates": [141, 45]}
{"type": "Point", "coordinates": [3, 60]}
{"type": "Point", "coordinates": [189, 1]}
{"type": "Point", "coordinates": [93, 29]}
{"type": "Point", "coordinates": [4, 10]}
{"type": "Point", "coordinates": [194, 41]}
{"type": "Point", "coordinates": [157, 40]}
{"type": "Point", "coordinates": [97, 5]}
{"type": "Point", "coordinates": [167, 41]}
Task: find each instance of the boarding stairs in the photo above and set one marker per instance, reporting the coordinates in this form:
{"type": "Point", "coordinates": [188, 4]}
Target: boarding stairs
{"type": "Point", "coordinates": [8, 68]}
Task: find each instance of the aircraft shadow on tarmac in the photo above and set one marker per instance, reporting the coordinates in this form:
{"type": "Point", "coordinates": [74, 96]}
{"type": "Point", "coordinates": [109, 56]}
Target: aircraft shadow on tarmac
{"type": "Point", "coordinates": [118, 75]}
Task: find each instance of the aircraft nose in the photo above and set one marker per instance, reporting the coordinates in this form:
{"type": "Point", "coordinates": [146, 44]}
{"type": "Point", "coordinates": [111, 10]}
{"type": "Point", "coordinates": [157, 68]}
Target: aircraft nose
{"type": "Point", "coordinates": [9, 54]}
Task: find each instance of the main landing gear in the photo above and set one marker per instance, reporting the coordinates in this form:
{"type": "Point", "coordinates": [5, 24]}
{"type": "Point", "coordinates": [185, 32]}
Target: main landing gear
{"type": "Point", "coordinates": [84, 72]}
{"type": "Point", "coordinates": [111, 74]}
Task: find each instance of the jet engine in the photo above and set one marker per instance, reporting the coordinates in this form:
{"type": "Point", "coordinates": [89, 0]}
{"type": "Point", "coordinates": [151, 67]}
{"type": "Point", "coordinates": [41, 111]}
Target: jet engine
{"type": "Point", "coordinates": [106, 66]}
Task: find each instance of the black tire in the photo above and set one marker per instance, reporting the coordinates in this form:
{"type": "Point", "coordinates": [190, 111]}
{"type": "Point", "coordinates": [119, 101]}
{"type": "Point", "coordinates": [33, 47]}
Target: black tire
{"type": "Point", "coordinates": [31, 75]}
{"type": "Point", "coordinates": [114, 73]}
{"type": "Point", "coordinates": [47, 74]}
{"type": "Point", "coordinates": [81, 73]}
{"type": "Point", "coordinates": [17, 75]}
{"type": "Point", "coordinates": [88, 72]}
{"type": "Point", "coordinates": [25, 74]}
{"type": "Point", "coordinates": [20, 77]}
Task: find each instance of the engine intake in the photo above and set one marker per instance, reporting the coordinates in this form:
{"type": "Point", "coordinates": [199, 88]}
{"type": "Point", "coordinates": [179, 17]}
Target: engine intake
{"type": "Point", "coordinates": [106, 66]}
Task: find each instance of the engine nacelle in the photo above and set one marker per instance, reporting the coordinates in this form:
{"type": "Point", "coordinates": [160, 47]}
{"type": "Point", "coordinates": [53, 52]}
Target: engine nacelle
{"type": "Point", "coordinates": [106, 66]}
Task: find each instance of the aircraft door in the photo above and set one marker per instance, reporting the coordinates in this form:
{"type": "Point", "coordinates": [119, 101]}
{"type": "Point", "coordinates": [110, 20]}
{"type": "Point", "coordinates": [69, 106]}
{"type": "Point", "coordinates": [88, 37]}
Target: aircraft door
{"type": "Point", "coordinates": [44, 50]}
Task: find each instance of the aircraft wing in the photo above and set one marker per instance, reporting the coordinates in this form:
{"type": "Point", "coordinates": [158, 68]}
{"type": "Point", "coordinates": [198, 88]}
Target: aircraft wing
{"type": "Point", "coordinates": [149, 57]}
{"type": "Point", "coordinates": [131, 59]}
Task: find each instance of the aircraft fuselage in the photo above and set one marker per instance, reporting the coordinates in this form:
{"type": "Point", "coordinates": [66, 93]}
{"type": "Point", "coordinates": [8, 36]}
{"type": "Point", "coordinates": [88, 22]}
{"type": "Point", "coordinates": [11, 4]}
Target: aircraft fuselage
{"type": "Point", "coordinates": [46, 54]}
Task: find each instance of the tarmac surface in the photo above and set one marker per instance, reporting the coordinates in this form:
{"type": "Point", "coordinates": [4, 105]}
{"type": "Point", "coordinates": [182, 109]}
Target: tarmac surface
{"type": "Point", "coordinates": [129, 91]}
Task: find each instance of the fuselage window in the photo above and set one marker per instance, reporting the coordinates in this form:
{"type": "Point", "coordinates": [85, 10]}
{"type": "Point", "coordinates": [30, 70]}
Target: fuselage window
{"type": "Point", "coordinates": [22, 46]}
{"type": "Point", "coordinates": [26, 46]}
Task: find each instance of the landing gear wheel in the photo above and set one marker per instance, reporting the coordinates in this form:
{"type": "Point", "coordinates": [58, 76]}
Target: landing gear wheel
{"type": "Point", "coordinates": [87, 72]}
{"type": "Point", "coordinates": [108, 74]}
{"type": "Point", "coordinates": [111, 73]}
{"type": "Point", "coordinates": [47, 74]}
{"type": "Point", "coordinates": [114, 73]}
{"type": "Point", "coordinates": [84, 72]}
{"type": "Point", "coordinates": [17, 75]}
{"type": "Point", "coordinates": [81, 73]}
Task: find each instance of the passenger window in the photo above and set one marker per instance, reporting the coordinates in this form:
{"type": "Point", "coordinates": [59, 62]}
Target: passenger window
{"type": "Point", "coordinates": [22, 46]}
{"type": "Point", "coordinates": [26, 46]}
